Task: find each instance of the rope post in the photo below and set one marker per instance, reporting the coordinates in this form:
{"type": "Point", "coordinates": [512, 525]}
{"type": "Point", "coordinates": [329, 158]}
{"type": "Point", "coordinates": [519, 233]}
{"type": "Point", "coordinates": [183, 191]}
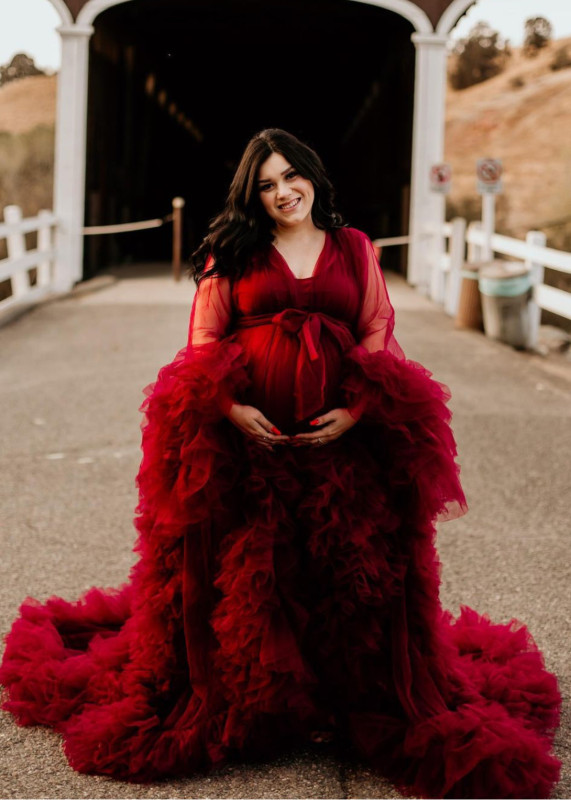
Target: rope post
{"type": "Point", "coordinates": [177, 206]}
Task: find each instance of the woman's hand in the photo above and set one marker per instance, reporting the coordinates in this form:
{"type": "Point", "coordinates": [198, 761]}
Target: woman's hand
{"type": "Point", "coordinates": [334, 423]}
{"type": "Point", "coordinates": [252, 422]}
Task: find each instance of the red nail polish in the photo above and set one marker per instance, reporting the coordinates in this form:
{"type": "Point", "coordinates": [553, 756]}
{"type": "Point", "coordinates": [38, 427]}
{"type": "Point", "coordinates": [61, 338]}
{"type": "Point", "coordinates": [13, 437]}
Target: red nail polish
{"type": "Point", "coordinates": [275, 430]}
{"type": "Point", "coordinates": [314, 422]}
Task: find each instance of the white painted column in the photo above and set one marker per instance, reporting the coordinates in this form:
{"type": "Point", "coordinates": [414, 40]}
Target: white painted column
{"type": "Point", "coordinates": [427, 208]}
{"type": "Point", "coordinates": [69, 177]}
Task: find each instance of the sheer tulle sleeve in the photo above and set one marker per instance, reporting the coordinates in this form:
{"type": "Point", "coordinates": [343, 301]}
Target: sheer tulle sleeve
{"type": "Point", "coordinates": [386, 390]}
{"type": "Point", "coordinates": [210, 320]}
{"type": "Point", "coordinates": [376, 317]}
{"type": "Point", "coordinates": [185, 436]}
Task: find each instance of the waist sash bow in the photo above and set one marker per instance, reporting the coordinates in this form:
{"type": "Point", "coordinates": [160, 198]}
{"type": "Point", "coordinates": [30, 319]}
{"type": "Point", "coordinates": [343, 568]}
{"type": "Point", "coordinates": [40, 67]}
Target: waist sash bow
{"type": "Point", "coordinates": [309, 385]}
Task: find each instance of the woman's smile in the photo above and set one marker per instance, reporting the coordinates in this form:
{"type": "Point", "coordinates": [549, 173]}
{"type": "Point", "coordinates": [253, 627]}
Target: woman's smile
{"type": "Point", "coordinates": [290, 205]}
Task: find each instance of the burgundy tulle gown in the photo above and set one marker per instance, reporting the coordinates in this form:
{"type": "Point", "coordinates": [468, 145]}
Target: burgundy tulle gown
{"type": "Point", "coordinates": [274, 589]}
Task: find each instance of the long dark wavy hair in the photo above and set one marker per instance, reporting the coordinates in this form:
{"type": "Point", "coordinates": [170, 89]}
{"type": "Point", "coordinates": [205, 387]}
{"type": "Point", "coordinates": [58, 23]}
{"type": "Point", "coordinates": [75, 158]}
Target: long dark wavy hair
{"type": "Point", "coordinates": [243, 225]}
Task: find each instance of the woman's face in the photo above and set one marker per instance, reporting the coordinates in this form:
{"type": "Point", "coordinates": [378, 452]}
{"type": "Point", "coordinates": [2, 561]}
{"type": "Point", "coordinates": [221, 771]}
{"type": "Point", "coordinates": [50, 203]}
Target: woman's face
{"type": "Point", "coordinates": [285, 195]}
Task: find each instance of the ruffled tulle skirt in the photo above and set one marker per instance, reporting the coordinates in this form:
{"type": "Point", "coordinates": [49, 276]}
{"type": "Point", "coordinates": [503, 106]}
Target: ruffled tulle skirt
{"type": "Point", "coordinates": [275, 589]}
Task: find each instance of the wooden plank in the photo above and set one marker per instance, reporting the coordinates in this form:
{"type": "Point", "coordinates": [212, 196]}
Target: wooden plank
{"type": "Point", "coordinates": [27, 225]}
{"type": "Point", "coordinates": [12, 266]}
{"type": "Point", "coordinates": [506, 245]}
{"type": "Point", "coordinates": [552, 299]}
{"type": "Point", "coordinates": [36, 293]}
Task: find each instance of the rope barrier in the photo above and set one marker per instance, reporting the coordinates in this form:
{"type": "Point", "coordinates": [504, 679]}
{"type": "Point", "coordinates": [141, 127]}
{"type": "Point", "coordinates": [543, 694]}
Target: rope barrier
{"type": "Point", "coordinates": [392, 240]}
{"type": "Point", "coordinates": [127, 226]}
{"type": "Point", "coordinates": [175, 217]}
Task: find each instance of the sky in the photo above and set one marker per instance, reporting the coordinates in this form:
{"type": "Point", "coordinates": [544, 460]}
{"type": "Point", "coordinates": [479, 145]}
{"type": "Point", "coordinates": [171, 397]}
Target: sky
{"type": "Point", "coordinates": [509, 16]}
{"type": "Point", "coordinates": [29, 25]}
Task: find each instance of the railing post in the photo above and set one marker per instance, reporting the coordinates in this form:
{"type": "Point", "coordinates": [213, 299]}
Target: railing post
{"type": "Point", "coordinates": [534, 238]}
{"type": "Point", "coordinates": [457, 256]}
{"type": "Point", "coordinates": [177, 206]}
{"type": "Point", "coordinates": [474, 250]}
{"type": "Point", "coordinates": [436, 262]}
{"type": "Point", "coordinates": [44, 245]}
{"type": "Point", "coordinates": [16, 246]}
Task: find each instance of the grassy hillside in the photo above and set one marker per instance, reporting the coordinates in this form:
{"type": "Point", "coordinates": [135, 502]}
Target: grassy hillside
{"type": "Point", "coordinates": [522, 116]}
{"type": "Point", "coordinates": [27, 103]}
{"type": "Point", "coordinates": [27, 124]}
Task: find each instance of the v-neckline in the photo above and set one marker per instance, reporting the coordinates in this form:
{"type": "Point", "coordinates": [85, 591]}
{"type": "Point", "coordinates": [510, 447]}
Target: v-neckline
{"type": "Point", "coordinates": [316, 265]}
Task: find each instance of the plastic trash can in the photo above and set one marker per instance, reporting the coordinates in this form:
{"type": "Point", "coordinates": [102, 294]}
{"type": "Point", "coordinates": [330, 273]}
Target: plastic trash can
{"type": "Point", "coordinates": [469, 313]}
{"type": "Point", "coordinates": [506, 290]}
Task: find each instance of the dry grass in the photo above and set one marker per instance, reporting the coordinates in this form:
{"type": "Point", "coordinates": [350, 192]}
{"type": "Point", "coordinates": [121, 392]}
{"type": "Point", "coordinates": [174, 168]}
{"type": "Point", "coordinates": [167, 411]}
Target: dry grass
{"type": "Point", "coordinates": [26, 169]}
{"type": "Point", "coordinates": [27, 125]}
{"type": "Point", "coordinates": [28, 102]}
{"type": "Point", "coordinates": [26, 173]}
{"type": "Point", "coordinates": [522, 116]}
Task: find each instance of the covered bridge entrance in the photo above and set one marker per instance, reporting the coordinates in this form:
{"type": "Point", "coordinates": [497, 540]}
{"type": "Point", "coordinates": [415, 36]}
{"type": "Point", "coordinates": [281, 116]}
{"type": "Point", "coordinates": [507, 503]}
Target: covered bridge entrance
{"type": "Point", "coordinates": [157, 98]}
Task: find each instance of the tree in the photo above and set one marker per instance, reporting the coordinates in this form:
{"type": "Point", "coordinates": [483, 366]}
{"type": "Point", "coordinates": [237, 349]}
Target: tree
{"type": "Point", "coordinates": [480, 56]}
{"type": "Point", "coordinates": [21, 66]}
{"type": "Point", "coordinates": [538, 33]}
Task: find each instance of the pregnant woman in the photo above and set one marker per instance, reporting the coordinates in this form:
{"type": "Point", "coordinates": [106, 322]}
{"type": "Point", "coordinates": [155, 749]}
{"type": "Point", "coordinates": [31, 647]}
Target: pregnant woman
{"type": "Point", "coordinates": [295, 464]}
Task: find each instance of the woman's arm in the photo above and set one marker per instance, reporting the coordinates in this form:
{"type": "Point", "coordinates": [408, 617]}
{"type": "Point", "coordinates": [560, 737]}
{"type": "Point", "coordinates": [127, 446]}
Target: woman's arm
{"type": "Point", "coordinates": [209, 322]}
{"type": "Point", "coordinates": [376, 317]}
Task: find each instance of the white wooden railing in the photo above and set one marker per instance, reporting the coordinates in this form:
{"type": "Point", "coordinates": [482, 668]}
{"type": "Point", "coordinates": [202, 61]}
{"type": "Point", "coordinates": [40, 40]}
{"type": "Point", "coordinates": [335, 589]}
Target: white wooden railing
{"type": "Point", "coordinates": [16, 268]}
{"type": "Point", "coordinates": [463, 244]}
{"type": "Point", "coordinates": [469, 243]}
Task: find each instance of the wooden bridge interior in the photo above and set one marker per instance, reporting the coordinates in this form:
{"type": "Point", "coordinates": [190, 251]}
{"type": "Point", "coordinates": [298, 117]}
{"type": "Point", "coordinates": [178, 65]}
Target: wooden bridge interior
{"type": "Point", "coordinates": [177, 88]}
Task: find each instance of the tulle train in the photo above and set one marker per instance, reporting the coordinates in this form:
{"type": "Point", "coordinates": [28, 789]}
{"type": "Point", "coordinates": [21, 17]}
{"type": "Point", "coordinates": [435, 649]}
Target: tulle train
{"type": "Point", "coordinates": [273, 589]}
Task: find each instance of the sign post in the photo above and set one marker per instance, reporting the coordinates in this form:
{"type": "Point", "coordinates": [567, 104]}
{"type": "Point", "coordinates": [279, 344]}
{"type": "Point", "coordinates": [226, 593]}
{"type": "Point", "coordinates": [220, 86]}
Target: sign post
{"type": "Point", "coordinates": [489, 173]}
{"type": "Point", "coordinates": [440, 177]}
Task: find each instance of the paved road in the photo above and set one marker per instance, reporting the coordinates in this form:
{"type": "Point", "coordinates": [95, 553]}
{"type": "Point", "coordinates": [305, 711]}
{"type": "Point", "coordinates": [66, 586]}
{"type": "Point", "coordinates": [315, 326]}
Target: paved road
{"type": "Point", "coordinates": [72, 377]}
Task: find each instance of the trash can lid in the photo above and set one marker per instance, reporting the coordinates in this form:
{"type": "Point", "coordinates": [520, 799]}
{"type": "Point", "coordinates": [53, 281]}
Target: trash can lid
{"type": "Point", "coordinates": [503, 270]}
{"type": "Point", "coordinates": [497, 283]}
{"type": "Point", "coordinates": [478, 265]}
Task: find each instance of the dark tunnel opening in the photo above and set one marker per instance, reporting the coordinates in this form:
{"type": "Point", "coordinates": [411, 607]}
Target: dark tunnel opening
{"type": "Point", "coordinates": [177, 88]}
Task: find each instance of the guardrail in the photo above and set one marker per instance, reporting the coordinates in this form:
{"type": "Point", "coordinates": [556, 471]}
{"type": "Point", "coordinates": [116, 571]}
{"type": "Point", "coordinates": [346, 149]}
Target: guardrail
{"type": "Point", "coordinates": [468, 243]}
{"type": "Point", "coordinates": [27, 275]}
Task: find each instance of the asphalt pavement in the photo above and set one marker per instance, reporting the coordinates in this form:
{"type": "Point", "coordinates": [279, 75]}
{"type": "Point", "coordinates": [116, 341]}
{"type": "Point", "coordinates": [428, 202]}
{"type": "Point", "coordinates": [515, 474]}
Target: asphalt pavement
{"type": "Point", "coordinates": [72, 372]}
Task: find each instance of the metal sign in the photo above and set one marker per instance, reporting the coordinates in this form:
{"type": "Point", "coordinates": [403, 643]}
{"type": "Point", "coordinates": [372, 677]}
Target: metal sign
{"type": "Point", "coordinates": [489, 173]}
{"type": "Point", "coordinates": [440, 178]}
